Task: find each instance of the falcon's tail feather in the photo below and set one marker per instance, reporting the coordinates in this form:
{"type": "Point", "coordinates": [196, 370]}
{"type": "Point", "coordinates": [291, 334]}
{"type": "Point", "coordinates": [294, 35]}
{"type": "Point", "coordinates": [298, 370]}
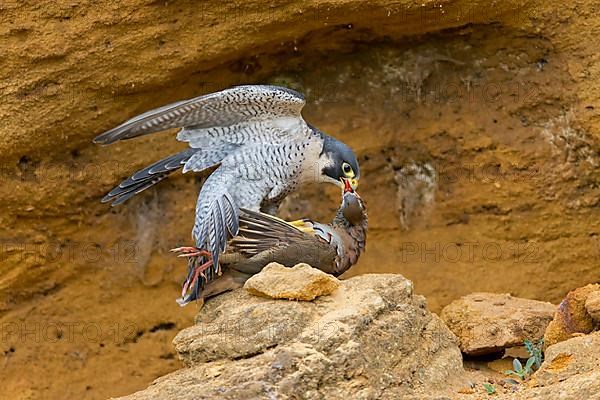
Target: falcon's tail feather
{"type": "Point", "coordinates": [147, 177]}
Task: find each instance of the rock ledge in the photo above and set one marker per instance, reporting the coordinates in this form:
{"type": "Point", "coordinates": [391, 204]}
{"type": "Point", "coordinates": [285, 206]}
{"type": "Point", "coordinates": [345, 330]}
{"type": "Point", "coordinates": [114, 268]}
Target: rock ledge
{"type": "Point", "coordinates": [373, 338]}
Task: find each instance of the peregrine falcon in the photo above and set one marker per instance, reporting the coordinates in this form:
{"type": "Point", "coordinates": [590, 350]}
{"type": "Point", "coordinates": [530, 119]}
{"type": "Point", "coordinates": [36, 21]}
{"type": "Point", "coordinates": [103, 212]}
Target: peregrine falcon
{"type": "Point", "coordinates": [259, 143]}
{"type": "Point", "coordinates": [332, 248]}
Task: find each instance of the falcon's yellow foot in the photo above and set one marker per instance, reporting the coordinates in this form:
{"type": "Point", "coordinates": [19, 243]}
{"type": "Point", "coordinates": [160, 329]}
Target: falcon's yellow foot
{"type": "Point", "coordinates": [306, 229]}
{"type": "Point", "coordinates": [297, 223]}
{"type": "Point", "coordinates": [303, 225]}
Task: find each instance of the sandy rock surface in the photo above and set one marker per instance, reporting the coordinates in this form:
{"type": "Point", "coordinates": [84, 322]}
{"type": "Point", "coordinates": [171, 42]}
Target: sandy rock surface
{"type": "Point", "coordinates": [572, 316]}
{"type": "Point", "coordinates": [592, 306]}
{"type": "Point", "coordinates": [487, 323]}
{"type": "Point", "coordinates": [571, 370]}
{"type": "Point", "coordinates": [301, 282]}
{"type": "Point", "coordinates": [579, 355]}
{"type": "Point", "coordinates": [373, 338]}
{"type": "Point", "coordinates": [584, 386]}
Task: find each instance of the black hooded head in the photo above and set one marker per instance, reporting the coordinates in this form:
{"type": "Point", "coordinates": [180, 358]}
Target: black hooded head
{"type": "Point", "coordinates": [339, 162]}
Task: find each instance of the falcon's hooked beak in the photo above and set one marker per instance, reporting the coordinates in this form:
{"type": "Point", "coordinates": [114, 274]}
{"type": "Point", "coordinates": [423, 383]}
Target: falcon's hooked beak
{"type": "Point", "coordinates": [348, 184]}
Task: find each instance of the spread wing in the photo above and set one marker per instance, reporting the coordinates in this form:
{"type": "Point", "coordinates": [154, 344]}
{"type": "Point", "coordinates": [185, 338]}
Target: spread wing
{"type": "Point", "coordinates": [215, 125]}
{"type": "Point", "coordinates": [235, 115]}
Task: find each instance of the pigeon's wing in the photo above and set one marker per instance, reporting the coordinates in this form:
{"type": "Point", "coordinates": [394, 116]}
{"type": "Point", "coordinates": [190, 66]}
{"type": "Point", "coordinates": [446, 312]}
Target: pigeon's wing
{"type": "Point", "coordinates": [263, 239]}
{"type": "Point", "coordinates": [261, 232]}
{"type": "Point", "coordinates": [235, 115]}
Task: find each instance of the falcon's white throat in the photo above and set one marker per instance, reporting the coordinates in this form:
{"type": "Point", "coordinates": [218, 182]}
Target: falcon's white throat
{"type": "Point", "coordinates": [314, 164]}
{"type": "Point", "coordinates": [325, 161]}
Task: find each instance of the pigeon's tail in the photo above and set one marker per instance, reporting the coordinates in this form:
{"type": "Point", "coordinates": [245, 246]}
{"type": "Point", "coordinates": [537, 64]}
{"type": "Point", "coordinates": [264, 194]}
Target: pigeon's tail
{"type": "Point", "coordinates": [147, 177]}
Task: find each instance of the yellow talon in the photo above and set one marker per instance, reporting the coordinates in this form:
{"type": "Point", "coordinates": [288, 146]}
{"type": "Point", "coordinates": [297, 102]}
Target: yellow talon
{"type": "Point", "coordinates": [306, 229]}
{"type": "Point", "coordinates": [299, 224]}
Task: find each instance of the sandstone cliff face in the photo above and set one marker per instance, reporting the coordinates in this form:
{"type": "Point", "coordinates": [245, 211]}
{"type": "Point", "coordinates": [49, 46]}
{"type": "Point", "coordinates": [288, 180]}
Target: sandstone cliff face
{"type": "Point", "coordinates": [476, 126]}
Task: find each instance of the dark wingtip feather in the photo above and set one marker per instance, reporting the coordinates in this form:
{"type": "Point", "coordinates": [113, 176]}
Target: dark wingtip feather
{"type": "Point", "coordinates": [106, 138]}
{"type": "Point", "coordinates": [147, 177]}
{"type": "Point", "coordinates": [122, 199]}
{"type": "Point", "coordinates": [100, 141]}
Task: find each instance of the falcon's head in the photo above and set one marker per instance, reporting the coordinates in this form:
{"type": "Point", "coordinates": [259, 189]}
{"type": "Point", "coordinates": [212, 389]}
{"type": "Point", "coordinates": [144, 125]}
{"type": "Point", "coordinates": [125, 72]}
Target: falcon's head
{"type": "Point", "coordinates": [338, 163]}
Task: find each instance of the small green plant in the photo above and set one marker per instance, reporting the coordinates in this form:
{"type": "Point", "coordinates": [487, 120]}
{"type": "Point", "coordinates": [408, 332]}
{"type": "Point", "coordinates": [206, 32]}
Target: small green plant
{"type": "Point", "coordinates": [535, 351]}
{"type": "Point", "coordinates": [519, 370]}
{"type": "Point", "coordinates": [535, 360]}
{"type": "Point", "coordinates": [489, 388]}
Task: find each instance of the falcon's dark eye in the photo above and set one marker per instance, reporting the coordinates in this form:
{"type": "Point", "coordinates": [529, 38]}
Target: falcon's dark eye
{"type": "Point", "coordinates": [347, 170]}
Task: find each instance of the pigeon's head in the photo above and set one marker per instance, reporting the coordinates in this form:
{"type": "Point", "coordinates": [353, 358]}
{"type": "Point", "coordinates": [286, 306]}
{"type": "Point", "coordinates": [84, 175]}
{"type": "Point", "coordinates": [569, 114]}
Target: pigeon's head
{"type": "Point", "coordinates": [338, 163]}
{"type": "Point", "coordinates": [353, 208]}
